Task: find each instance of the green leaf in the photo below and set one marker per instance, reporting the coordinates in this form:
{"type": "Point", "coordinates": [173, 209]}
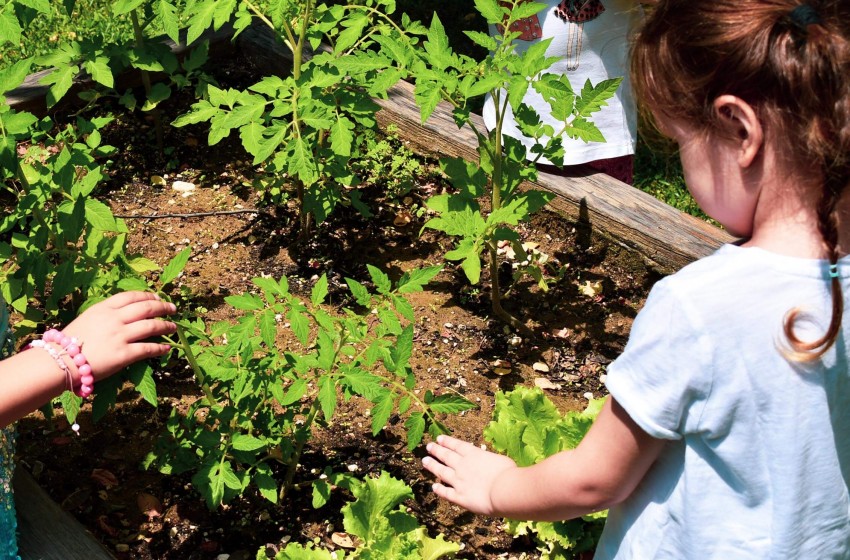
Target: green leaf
{"type": "Point", "coordinates": [159, 93]}
{"type": "Point", "coordinates": [321, 493]}
{"type": "Point", "coordinates": [14, 75]}
{"type": "Point", "coordinates": [300, 326]}
{"type": "Point", "coordinates": [141, 375]}
{"type": "Point", "coordinates": [142, 264]}
{"type": "Point", "coordinates": [100, 72]}
{"type": "Point", "coordinates": [450, 404]}
{"type": "Point", "coordinates": [168, 17]}
{"type": "Point", "coordinates": [327, 396]}
{"type": "Point", "coordinates": [415, 425]}
{"type": "Point", "coordinates": [320, 291]}
{"type": "Point", "coordinates": [428, 95]}
{"type": "Point", "coordinates": [245, 302]}
{"type": "Point", "coordinates": [401, 352]}
{"type": "Point", "coordinates": [491, 10]}
{"type": "Point", "coordinates": [381, 413]}
{"type": "Point", "coordinates": [414, 280]}
{"type": "Point", "coordinates": [266, 483]}
{"type": "Point", "coordinates": [295, 392]}
{"type": "Point", "coordinates": [342, 136]}
{"type": "Point", "coordinates": [471, 267]}
{"type": "Point", "coordinates": [201, 18]}
{"type": "Point", "coordinates": [245, 442]}
{"type": "Point", "coordinates": [61, 79]}
{"type": "Point", "coordinates": [121, 7]}
{"type": "Point", "coordinates": [268, 328]}
{"type": "Point", "coordinates": [593, 98]}
{"type": "Point", "coordinates": [381, 280]}
{"type": "Point", "coordinates": [175, 266]}
{"type": "Point", "coordinates": [375, 498]}
{"type": "Point", "coordinates": [10, 28]}
{"type": "Point", "coordinates": [100, 216]}
{"type": "Point", "coordinates": [359, 291]}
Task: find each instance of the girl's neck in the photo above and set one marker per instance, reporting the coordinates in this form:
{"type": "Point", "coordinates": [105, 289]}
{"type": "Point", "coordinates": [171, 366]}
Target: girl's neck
{"type": "Point", "coordinates": [786, 220]}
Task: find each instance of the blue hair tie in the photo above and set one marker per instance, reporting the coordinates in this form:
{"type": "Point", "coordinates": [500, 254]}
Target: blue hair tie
{"type": "Point", "coordinates": [805, 15]}
{"type": "Point", "coordinates": [833, 271]}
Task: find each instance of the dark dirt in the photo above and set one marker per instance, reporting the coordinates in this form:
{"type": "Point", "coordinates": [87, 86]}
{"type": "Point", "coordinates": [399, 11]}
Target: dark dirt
{"type": "Point", "coordinates": [97, 476]}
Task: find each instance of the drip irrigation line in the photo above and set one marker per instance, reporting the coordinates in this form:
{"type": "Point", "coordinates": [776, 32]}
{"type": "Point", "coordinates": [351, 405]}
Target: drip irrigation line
{"type": "Point", "coordinates": [191, 214]}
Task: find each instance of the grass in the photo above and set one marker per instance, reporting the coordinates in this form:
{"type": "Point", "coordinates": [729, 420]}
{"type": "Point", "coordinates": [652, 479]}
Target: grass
{"type": "Point", "coordinates": [91, 19]}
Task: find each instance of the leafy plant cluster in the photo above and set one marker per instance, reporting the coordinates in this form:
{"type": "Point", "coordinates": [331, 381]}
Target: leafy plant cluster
{"type": "Point", "coordinates": [527, 427]}
{"type": "Point", "coordinates": [264, 397]}
{"type": "Point", "coordinates": [379, 522]}
{"type": "Point", "coordinates": [278, 374]}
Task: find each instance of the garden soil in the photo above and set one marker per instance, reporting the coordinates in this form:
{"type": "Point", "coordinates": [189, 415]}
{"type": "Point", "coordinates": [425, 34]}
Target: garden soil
{"type": "Point", "coordinates": [580, 324]}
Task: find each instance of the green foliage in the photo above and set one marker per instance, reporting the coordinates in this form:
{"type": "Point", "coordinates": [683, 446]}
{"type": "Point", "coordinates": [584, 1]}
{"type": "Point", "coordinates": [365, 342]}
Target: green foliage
{"type": "Point", "coordinates": [389, 164]}
{"type": "Point", "coordinates": [504, 163]}
{"type": "Point", "coordinates": [527, 427]}
{"type": "Point", "coordinates": [112, 39]}
{"type": "Point", "coordinates": [264, 397]}
{"type": "Point", "coordinates": [378, 519]}
{"type": "Point", "coordinates": [308, 125]}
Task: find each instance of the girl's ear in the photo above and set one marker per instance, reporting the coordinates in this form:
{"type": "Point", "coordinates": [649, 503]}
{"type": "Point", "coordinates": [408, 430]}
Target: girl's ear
{"type": "Point", "coordinates": [738, 118]}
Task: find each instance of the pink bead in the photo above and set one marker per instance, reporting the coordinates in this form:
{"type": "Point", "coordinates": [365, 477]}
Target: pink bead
{"type": "Point", "coordinates": [79, 360]}
{"type": "Point", "coordinates": [87, 380]}
{"type": "Point", "coordinates": [64, 341]}
{"type": "Point", "coordinates": [85, 369]}
{"type": "Point", "coordinates": [51, 335]}
{"type": "Point", "coordinates": [86, 390]}
{"type": "Point", "coordinates": [72, 350]}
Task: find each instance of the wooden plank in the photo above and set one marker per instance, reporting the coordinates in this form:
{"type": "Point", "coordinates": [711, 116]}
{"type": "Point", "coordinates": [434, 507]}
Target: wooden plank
{"type": "Point", "coordinates": [47, 532]}
{"type": "Point", "coordinates": [664, 235]}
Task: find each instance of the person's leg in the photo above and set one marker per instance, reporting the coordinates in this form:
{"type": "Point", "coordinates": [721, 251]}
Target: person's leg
{"type": "Point", "coordinates": [622, 168]}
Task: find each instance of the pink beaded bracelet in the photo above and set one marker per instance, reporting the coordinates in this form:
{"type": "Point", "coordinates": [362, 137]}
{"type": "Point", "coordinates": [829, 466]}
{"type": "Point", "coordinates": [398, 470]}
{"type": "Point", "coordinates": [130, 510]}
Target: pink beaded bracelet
{"type": "Point", "coordinates": [72, 348]}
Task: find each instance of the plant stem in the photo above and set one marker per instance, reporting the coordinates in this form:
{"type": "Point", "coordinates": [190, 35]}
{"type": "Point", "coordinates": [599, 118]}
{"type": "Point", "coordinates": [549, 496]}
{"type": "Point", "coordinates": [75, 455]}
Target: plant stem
{"type": "Point", "coordinates": [146, 80]}
{"type": "Point", "coordinates": [496, 296]}
{"type": "Point", "coordinates": [190, 357]}
{"type": "Point", "coordinates": [299, 449]}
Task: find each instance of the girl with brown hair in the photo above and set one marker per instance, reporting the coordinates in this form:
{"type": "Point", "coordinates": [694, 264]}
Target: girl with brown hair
{"type": "Point", "coordinates": [727, 431]}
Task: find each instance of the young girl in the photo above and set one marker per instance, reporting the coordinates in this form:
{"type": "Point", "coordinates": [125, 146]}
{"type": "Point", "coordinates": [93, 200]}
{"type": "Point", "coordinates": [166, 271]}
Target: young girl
{"type": "Point", "coordinates": [104, 339]}
{"type": "Point", "coordinates": [727, 433]}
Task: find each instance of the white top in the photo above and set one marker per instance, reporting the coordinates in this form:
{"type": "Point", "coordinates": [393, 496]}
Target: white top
{"type": "Point", "coordinates": [603, 54]}
{"type": "Point", "coordinates": [758, 463]}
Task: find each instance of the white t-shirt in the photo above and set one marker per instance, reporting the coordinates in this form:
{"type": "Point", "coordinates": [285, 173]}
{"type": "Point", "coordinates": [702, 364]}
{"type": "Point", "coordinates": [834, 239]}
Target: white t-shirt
{"type": "Point", "coordinates": [758, 462]}
{"type": "Point", "coordinates": [602, 46]}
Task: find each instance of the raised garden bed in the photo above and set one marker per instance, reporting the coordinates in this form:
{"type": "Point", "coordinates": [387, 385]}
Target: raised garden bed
{"type": "Point", "coordinates": [601, 232]}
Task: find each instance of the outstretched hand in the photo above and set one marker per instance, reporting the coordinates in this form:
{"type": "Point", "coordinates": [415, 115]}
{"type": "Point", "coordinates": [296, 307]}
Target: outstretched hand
{"type": "Point", "coordinates": [467, 474]}
{"type": "Point", "coordinates": [114, 332]}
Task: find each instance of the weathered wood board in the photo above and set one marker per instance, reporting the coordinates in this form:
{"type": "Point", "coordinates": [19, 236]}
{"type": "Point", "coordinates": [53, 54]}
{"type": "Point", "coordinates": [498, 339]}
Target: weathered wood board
{"type": "Point", "coordinates": [666, 236]}
{"type": "Point", "coordinates": [47, 532]}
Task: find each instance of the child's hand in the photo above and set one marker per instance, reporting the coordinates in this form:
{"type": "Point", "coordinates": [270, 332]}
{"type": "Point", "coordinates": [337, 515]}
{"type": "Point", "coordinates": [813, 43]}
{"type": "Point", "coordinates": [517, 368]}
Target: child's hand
{"type": "Point", "coordinates": [113, 331]}
{"type": "Point", "coordinates": [468, 474]}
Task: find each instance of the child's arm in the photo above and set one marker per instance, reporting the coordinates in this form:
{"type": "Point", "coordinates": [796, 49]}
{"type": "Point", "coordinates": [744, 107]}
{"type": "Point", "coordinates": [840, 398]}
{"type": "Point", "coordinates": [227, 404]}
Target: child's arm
{"type": "Point", "coordinates": [113, 333]}
{"type": "Point", "coordinates": [602, 471]}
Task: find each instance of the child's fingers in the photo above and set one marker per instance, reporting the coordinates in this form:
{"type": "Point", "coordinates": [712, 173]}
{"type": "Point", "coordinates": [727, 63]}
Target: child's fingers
{"type": "Point", "coordinates": [148, 328]}
{"type": "Point", "coordinates": [145, 350]}
{"type": "Point", "coordinates": [123, 299]}
{"type": "Point", "coordinates": [438, 469]}
{"type": "Point", "coordinates": [445, 492]}
{"type": "Point", "coordinates": [145, 309]}
{"type": "Point", "coordinates": [442, 453]}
